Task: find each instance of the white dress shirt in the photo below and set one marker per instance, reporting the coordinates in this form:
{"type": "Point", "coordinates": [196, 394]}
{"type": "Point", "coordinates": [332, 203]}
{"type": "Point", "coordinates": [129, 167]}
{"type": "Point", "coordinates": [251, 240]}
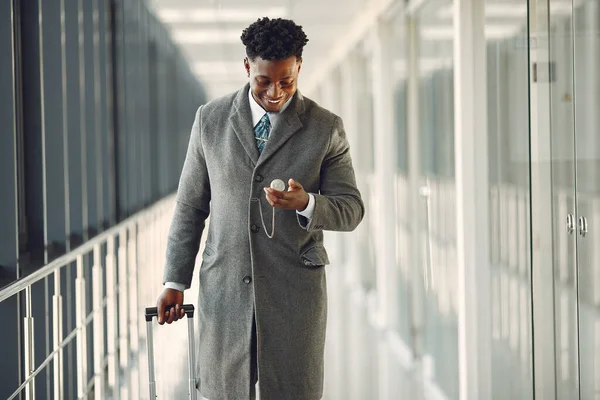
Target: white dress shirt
{"type": "Point", "coordinates": [257, 113]}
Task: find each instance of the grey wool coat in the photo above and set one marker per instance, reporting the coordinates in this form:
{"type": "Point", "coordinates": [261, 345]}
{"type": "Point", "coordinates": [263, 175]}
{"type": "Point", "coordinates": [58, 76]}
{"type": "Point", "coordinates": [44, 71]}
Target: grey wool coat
{"type": "Point", "coordinates": [280, 281]}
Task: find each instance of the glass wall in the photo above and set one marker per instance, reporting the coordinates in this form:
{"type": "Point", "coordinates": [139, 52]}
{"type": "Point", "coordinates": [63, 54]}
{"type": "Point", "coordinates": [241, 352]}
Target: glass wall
{"type": "Point", "coordinates": [509, 185]}
{"type": "Point", "coordinates": [437, 231]}
{"type": "Point", "coordinates": [402, 322]}
{"type": "Point", "coordinates": [366, 161]}
{"type": "Point", "coordinates": [9, 215]}
{"type": "Point", "coordinates": [426, 290]}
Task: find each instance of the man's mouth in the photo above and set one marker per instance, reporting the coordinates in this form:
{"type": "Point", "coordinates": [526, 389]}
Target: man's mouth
{"type": "Point", "coordinates": [274, 101]}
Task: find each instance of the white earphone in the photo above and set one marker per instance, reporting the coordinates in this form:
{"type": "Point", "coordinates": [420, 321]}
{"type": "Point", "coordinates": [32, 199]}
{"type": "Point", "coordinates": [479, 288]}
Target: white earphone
{"type": "Point", "coordinates": [276, 184]}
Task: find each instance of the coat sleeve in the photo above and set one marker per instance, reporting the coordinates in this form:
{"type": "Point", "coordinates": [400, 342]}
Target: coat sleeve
{"type": "Point", "coordinates": [338, 205]}
{"type": "Point", "coordinates": [192, 207]}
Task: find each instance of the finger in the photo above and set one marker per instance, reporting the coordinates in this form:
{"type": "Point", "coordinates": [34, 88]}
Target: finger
{"type": "Point", "coordinates": [280, 201]}
{"type": "Point", "coordinates": [273, 191]}
{"type": "Point", "coordinates": [274, 196]}
{"type": "Point", "coordinates": [176, 313]}
{"type": "Point", "coordinates": [179, 314]}
{"type": "Point", "coordinates": [171, 315]}
{"type": "Point", "coordinates": [294, 185]}
{"type": "Point", "coordinates": [268, 197]}
{"type": "Point", "coordinates": [161, 312]}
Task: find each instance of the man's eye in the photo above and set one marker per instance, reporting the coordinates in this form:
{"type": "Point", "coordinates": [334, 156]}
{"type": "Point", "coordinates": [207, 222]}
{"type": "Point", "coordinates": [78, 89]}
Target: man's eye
{"type": "Point", "coordinates": [286, 83]}
{"type": "Point", "coordinates": [263, 83]}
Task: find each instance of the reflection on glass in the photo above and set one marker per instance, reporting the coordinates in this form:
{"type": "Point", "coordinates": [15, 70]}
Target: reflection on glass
{"type": "Point", "coordinates": [367, 166]}
{"type": "Point", "coordinates": [508, 165]}
{"type": "Point", "coordinates": [436, 233]}
{"type": "Point", "coordinates": [403, 323]}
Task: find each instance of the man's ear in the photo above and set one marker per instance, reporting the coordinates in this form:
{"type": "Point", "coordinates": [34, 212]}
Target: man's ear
{"type": "Point", "coordinates": [247, 65]}
{"type": "Point", "coordinates": [299, 61]}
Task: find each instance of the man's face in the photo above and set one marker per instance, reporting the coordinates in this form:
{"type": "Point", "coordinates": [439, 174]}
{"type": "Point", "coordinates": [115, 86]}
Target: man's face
{"type": "Point", "coordinates": [273, 83]}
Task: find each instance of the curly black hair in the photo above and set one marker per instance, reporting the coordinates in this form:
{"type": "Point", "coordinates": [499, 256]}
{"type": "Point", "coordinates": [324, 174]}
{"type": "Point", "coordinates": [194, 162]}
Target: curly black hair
{"type": "Point", "coordinates": [273, 39]}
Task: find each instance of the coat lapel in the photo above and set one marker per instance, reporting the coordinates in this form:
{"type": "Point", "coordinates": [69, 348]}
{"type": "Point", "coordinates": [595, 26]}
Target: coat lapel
{"type": "Point", "coordinates": [241, 121]}
{"type": "Point", "coordinates": [284, 129]}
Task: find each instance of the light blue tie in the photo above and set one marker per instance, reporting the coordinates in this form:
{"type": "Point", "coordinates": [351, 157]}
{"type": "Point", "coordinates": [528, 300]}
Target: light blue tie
{"type": "Point", "coordinates": [261, 132]}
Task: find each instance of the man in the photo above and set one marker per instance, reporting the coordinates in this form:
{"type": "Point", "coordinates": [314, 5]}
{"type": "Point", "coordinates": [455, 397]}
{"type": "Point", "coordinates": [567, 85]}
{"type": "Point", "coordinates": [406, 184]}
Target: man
{"type": "Point", "coordinates": [262, 306]}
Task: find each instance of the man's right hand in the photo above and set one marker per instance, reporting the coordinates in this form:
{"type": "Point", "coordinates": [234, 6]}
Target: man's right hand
{"type": "Point", "coordinates": [169, 306]}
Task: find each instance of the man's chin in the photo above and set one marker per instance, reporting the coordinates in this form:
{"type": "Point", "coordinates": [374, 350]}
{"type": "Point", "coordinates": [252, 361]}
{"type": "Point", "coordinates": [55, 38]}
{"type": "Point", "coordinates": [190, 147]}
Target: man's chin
{"type": "Point", "coordinates": [271, 108]}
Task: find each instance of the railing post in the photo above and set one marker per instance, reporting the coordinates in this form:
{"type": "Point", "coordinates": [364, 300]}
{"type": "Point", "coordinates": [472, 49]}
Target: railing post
{"type": "Point", "coordinates": [132, 257]}
{"type": "Point", "coordinates": [123, 315]}
{"type": "Point", "coordinates": [29, 346]}
{"type": "Point", "coordinates": [80, 309]}
{"type": "Point", "coordinates": [57, 336]}
{"type": "Point", "coordinates": [98, 296]}
{"type": "Point", "coordinates": [113, 315]}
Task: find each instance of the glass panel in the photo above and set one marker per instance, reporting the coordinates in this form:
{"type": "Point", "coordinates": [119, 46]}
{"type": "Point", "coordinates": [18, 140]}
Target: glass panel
{"type": "Point", "coordinates": [586, 25]}
{"type": "Point", "coordinates": [366, 165]}
{"type": "Point", "coordinates": [508, 165]}
{"type": "Point", "coordinates": [8, 160]}
{"type": "Point", "coordinates": [9, 230]}
{"type": "Point", "coordinates": [437, 232]}
{"type": "Point", "coordinates": [73, 122]}
{"type": "Point", "coordinates": [560, 74]}
{"type": "Point", "coordinates": [87, 69]}
{"type": "Point", "coordinates": [402, 322]}
{"type": "Point", "coordinates": [53, 130]}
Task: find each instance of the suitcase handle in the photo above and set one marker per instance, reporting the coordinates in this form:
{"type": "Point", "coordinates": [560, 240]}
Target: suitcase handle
{"type": "Point", "coordinates": [152, 312]}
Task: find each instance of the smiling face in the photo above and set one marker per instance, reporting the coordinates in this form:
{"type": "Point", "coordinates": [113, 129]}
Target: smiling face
{"type": "Point", "coordinates": [273, 82]}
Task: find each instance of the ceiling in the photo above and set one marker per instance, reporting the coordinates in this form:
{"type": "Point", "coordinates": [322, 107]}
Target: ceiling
{"type": "Point", "coordinates": [209, 31]}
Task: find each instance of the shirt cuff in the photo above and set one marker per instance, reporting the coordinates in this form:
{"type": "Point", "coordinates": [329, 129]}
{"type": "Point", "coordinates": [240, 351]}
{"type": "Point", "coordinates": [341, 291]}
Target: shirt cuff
{"type": "Point", "coordinates": [175, 285]}
{"type": "Point", "coordinates": [310, 208]}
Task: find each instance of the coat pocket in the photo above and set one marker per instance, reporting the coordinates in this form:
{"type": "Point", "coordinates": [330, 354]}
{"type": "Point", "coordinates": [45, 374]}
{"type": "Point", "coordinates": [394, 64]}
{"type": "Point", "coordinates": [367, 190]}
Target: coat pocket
{"type": "Point", "coordinates": [208, 250]}
{"type": "Point", "coordinates": [315, 256]}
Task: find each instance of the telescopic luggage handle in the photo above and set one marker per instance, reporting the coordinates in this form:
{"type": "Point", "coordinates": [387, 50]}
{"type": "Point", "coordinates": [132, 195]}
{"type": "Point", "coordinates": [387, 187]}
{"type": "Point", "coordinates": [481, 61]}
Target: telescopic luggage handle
{"type": "Point", "coordinates": [152, 312]}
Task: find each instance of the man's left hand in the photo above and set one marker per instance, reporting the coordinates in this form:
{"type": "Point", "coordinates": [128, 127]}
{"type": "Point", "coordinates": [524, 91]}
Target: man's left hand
{"type": "Point", "coordinates": [294, 199]}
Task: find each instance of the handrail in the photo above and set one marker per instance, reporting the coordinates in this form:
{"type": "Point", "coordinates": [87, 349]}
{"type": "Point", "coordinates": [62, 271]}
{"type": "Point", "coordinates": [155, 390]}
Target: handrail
{"type": "Point", "coordinates": [105, 364]}
{"type": "Point", "coordinates": [71, 256]}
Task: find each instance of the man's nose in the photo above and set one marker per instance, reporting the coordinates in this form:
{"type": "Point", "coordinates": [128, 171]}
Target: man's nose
{"type": "Point", "coordinates": [274, 91]}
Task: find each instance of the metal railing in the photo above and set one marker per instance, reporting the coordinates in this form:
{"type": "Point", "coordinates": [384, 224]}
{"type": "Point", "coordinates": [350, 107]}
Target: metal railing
{"type": "Point", "coordinates": [109, 264]}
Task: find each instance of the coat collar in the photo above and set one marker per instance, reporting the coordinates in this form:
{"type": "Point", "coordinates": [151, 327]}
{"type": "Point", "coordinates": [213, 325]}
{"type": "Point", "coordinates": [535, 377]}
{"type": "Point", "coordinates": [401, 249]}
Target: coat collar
{"type": "Point", "coordinates": [287, 125]}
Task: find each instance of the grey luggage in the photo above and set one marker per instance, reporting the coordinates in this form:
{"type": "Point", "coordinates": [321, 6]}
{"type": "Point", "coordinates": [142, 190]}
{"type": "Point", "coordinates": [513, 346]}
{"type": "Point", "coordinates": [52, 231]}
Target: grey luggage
{"type": "Point", "coordinates": [152, 312]}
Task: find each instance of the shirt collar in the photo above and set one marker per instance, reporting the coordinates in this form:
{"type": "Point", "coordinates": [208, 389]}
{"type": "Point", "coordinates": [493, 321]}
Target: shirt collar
{"type": "Point", "coordinates": [258, 112]}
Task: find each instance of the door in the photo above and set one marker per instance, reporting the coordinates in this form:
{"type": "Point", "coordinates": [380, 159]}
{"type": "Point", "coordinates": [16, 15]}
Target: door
{"type": "Point", "coordinates": [559, 72]}
{"type": "Point", "coordinates": [573, 165]}
{"type": "Point", "coordinates": [586, 78]}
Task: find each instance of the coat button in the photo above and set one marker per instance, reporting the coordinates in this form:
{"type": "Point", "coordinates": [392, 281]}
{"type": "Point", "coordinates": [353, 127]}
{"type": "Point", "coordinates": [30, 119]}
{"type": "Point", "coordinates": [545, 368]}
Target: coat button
{"type": "Point", "coordinates": [258, 178]}
{"type": "Point", "coordinates": [247, 280]}
{"type": "Point", "coordinates": [254, 228]}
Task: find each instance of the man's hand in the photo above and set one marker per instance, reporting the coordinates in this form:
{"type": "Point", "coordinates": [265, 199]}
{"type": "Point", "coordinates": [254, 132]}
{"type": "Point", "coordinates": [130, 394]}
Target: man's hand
{"type": "Point", "coordinates": [294, 199]}
{"type": "Point", "coordinates": [173, 300]}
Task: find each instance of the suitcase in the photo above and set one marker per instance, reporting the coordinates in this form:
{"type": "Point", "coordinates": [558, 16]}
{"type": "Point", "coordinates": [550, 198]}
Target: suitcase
{"type": "Point", "coordinates": [152, 312]}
